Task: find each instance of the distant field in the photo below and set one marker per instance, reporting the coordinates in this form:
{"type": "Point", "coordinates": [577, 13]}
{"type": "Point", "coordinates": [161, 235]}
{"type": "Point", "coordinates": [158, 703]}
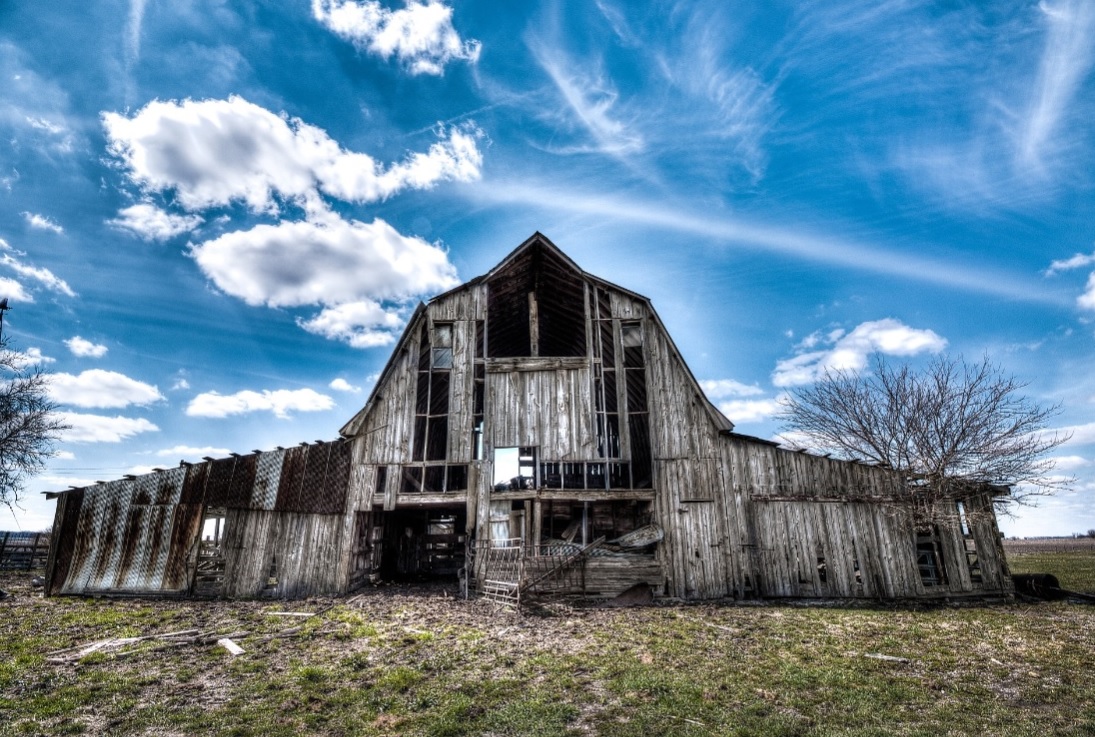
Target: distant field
{"type": "Point", "coordinates": [418, 661]}
{"type": "Point", "coordinates": [1071, 560]}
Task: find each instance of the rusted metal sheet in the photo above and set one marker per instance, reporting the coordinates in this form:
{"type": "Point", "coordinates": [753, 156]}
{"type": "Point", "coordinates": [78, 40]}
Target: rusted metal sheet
{"type": "Point", "coordinates": [312, 493]}
{"type": "Point", "coordinates": [64, 538]}
{"type": "Point", "coordinates": [292, 471]}
{"type": "Point", "coordinates": [220, 479]}
{"type": "Point", "coordinates": [268, 466]}
{"type": "Point", "coordinates": [337, 482]}
{"type": "Point", "coordinates": [193, 489]}
{"type": "Point", "coordinates": [243, 482]}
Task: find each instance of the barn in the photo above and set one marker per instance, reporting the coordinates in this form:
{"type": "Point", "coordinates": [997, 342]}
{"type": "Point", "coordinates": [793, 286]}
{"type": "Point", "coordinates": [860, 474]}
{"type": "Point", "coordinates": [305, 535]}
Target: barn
{"type": "Point", "coordinates": [534, 431]}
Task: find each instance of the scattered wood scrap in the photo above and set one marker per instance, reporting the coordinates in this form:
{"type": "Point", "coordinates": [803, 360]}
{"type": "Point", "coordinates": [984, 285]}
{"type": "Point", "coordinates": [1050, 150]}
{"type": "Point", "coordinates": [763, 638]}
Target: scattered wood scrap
{"type": "Point", "coordinates": [230, 646]}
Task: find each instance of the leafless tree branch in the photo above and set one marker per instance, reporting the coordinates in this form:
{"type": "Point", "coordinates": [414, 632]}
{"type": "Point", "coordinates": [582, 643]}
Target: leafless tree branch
{"type": "Point", "coordinates": [952, 425]}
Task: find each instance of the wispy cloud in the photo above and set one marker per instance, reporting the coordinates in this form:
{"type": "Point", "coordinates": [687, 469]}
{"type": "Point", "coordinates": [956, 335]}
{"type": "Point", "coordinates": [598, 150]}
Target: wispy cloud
{"type": "Point", "coordinates": [1078, 261]}
{"type": "Point", "coordinates": [12, 259]}
{"type": "Point", "coordinates": [783, 239]}
{"type": "Point", "coordinates": [1066, 59]}
{"type": "Point", "coordinates": [590, 97]}
{"type": "Point", "coordinates": [41, 222]}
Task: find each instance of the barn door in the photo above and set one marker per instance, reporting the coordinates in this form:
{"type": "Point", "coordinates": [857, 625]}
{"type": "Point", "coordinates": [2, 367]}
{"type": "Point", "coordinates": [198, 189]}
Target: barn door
{"type": "Point", "coordinates": [701, 546]}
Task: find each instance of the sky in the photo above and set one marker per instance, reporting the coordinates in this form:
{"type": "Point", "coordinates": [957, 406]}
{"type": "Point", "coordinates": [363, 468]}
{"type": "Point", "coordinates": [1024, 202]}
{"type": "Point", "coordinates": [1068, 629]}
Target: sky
{"type": "Point", "coordinates": [216, 217]}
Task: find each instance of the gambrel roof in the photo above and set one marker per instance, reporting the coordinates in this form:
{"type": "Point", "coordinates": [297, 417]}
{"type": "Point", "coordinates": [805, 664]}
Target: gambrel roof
{"type": "Point", "coordinates": [530, 263]}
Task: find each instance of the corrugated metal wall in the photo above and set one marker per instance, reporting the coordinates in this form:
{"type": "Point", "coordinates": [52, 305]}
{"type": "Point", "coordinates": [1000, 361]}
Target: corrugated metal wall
{"type": "Point", "coordinates": [282, 513]}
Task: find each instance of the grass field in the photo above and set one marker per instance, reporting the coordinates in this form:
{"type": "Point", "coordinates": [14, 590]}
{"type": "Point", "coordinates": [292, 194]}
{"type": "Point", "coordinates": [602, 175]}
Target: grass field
{"type": "Point", "coordinates": [416, 661]}
{"type": "Point", "coordinates": [1071, 560]}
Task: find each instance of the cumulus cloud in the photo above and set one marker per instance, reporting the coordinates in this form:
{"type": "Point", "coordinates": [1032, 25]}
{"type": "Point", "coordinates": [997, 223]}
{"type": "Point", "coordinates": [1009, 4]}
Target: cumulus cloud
{"type": "Point", "coordinates": [361, 324]}
{"type": "Point", "coordinates": [149, 222]}
{"type": "Point", "coordinates": [216, 152]}
{"type": "Point", "coordinates": [721, 388]}
{"type": "Point", "coordinates": [11, 258]}
{"type": "Point", "coordinates": [34, 356]}
{"type": "Point", "coordinates": [301, 263]}
{"type": "Point", "coordinates": [84, 428]}
{"type": "Point", "coordinates": [1087, 299]}
{"type": "Point", "coordinates": [421, 35]}
{"type": "Point", "coordinates": [189, 451]}
{"type": "Point", "coordinates": [740, 411]}
{"type": "Point", "coordinates": [849, 351]}
{"type": "Point", "coordinates": [1070, 463]}
{"type": "Point", "coordinates": [1079, 434]}
{"type": "Point", "coordinates": [85, 348]}
{"type": "Point", "coordinates": [341, 385]}
{"type": "Point", "coordinates": [101, 389]}
{"type": "Point", "coordinates": [14, 291]}
{"type": "Point", "coordinates": [41, 222]}
{"type": "Point", "coordinates": [281, 402]}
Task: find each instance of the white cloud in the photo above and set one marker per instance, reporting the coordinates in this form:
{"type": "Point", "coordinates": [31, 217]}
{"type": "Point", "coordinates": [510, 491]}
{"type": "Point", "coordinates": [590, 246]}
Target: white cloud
{"type": "Point", "coordinates": [421, 35]}
{"type": "Point", "coordinates": [86, 428]}
{"type": "Point", "coordinates": [280, 402]}
{"type": "Point", "coordinates": [215, 152]}
{"type": "Point", "coordinates": [189, 451]}
{"type": "Point", "coordinates": [14, 291]}
{"type": "Point", "coordinates": [1077, 261]}
{"type": "Point", "coordinates": [153, 224]}
{"type": "Point", "coordinates": [85, 348]}
{"type": "Point", "coordinates": [363, 324]}
{"type": "Point", "coordinates": [101, 389]}
{"type": "Point", "coordinates": [41, 222]}
{"type": "Point", "coordinates": [1069, 463]}
{"type": "Point", "coordinates": [849, 351]}
{"type": "Point", "coordinates": [45, 277]}
{"type": "Point", "coordinates": [1066, 59]}
{"type": "Point", "coordinates": [180, 385]}
{"type": "Point", "coordinates": [301, 263]}
{"type": "Point", "coordinates": [33, 356]}
{"type": "Point", "coordinates": [1080, 434]}
{"type": "Point", "coordinates": [591, 97]}
{"type": "Point", "coordinates": [721, 388]}
{"type": "Point", "coordinates": [749, 410]}
{"type": "Point", "coordinates": [1087, 299]}
{"type": "Point", "coordinates": [65, 455]}
{"type": "Point", "coordinates": [341, 385]}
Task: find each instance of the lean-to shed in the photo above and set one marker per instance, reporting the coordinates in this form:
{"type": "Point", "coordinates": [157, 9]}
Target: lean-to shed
{"type": "Point", "coordinates": [536, 429]}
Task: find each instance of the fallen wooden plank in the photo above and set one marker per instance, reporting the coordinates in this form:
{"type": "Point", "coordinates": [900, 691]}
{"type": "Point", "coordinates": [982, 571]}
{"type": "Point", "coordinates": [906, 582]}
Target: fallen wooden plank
{"type": "Point", "coordinates": [230, 646]}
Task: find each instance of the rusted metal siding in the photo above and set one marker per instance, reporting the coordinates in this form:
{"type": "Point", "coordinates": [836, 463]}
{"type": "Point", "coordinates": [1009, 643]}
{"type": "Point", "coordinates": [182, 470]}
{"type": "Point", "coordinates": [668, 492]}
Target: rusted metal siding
{"type": "Point", "coordinates": [283, 512]}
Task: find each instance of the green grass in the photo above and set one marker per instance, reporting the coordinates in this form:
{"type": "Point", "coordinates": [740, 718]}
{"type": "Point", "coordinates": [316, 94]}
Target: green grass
{"type": "Point", "coordinates": [405, 663]}
{"type": "Point", "coordinates": [1074, 569]}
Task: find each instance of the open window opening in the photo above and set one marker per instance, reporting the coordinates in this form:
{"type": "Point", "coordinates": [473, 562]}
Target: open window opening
{"type": "Point", "coordinates": [973, 560]}
{"type": "Point", "coordinates": [929, 557]}
{"type": "Point", "coordinates": [210, 560]}
{"type": "Point", "coordinates": [515, 469]}
{"type": "Point", "coordinates": [626, 526]}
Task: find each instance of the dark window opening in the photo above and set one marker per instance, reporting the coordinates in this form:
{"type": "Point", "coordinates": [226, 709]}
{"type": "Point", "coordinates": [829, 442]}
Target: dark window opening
{"type": "Point", "coordinates": [566, 522]}
{"type": "Point", "coordinates": [929, 557]}
{"type": "Point", "coordinates": [433, 478]}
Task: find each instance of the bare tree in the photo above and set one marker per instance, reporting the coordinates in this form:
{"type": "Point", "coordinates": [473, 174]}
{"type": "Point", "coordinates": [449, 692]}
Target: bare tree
{"type": "Point", "coordinates": [951, 425]}
{"type": "Point", "coordinates": [29, 422]}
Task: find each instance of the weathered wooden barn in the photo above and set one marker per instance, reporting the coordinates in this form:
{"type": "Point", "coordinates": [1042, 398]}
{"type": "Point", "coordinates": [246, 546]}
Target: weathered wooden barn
{"type": "Point", "coordinates": [535, 430]}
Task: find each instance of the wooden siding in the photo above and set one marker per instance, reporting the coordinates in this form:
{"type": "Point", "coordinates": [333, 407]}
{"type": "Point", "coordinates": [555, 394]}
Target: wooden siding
{"type": "Point", "coordinates": [548, 409]}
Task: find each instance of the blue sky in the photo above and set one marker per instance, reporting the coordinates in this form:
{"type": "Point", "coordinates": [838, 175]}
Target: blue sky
{"type": "Point", "coordinates": [215, 217]}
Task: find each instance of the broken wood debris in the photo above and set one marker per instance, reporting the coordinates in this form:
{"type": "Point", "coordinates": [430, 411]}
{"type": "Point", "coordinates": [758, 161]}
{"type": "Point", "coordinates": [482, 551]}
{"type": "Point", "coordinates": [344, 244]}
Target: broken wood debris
{"type": "Point", "coordinates": [228, 644]}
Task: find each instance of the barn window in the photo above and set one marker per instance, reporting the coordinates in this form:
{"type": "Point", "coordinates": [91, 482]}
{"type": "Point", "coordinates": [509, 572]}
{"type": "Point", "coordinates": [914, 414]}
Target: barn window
{"type": "Point", "coordinates": [929, 557]}
{"type": "Point", "coordinates": [442, 346]}
{"type": "Point", "coordinates": [973, 560]}
{"type": "Point", "coordinates": [514, 468]}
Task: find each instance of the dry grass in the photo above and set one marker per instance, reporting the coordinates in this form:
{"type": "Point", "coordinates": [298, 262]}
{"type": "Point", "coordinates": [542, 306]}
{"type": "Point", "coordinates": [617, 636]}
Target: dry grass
{"type": "Point", "coordinates": [416, 661]}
